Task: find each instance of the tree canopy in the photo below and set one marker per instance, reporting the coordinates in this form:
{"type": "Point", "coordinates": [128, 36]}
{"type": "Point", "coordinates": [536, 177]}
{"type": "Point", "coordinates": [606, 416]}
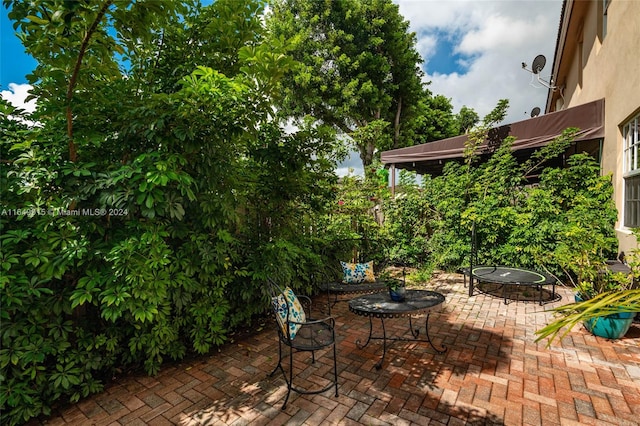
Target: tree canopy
{"type": "Point", "coordinates": [359, 70]}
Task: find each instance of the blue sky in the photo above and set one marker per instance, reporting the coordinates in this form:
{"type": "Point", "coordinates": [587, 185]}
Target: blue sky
{"type": "Point", "coordinates": [472, 51]}
{"type": "Point", "coordinates": [16, 64]}
{"type": "Point", "coordinates": [445, 59]}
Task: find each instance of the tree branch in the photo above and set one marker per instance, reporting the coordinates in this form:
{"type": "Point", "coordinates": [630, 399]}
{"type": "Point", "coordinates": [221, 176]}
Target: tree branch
{"type": "Point", "coordinates": [73, 153]}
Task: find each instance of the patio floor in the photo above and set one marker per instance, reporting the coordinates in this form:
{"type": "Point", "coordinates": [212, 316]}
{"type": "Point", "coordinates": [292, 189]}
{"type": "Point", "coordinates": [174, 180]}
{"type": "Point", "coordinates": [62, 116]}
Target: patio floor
{"type": "Point", "coordinates": [492, 373]}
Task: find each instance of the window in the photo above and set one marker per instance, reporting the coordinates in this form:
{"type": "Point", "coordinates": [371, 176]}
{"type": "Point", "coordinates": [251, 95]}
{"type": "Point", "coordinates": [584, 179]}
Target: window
{"type": "Point", "coordinates": [632, 202]}
{"type": "Point", "coordinates": [631, 141]}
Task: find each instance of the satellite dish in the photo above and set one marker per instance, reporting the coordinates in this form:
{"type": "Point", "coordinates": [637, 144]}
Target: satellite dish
{"type": "Point", "coordinates": [535, 112]}
{"type": "Point", "coordinates": [536, 79]}
{"type": "Point", "coordinates": [538, 64]}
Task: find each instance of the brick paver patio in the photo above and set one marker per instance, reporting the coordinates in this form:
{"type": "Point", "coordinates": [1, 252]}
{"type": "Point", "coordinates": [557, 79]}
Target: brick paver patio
{"type": "Point", "coordinates": [492, 373]}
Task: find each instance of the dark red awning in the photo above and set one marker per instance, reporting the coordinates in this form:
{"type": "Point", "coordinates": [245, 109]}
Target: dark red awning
{"type": "Point", "coordinates": [529, 134]}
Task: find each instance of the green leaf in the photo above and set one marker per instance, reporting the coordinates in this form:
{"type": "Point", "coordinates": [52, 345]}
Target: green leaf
{"type": "Point", "coordinates": [37, 20]}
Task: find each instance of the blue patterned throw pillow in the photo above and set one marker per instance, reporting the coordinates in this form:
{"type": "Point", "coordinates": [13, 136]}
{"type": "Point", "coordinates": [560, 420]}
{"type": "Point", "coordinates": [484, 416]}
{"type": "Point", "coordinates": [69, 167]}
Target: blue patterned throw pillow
{"type": "Point", "coordinates": [293, 306]}
{"type": "Point", "coordinates": [356, 273]}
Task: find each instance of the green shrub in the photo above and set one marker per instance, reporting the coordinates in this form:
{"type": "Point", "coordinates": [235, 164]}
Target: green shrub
{"type": "Point", "coordinates": [541, 225]}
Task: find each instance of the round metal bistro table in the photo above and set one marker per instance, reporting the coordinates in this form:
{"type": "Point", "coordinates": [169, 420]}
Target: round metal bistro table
{"type": "Point", "coordinates": [380, 305]}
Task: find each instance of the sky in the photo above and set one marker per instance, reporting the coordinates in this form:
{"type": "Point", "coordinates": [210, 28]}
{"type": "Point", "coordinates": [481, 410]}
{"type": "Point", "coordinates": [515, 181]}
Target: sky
{"type": "Point", "coordinates": [15, 64]}
{"type": "Point", "coordinates": [472, 52]}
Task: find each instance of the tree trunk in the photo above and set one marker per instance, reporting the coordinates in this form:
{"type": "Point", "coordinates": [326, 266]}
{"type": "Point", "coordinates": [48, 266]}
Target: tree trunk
{"type": "Point", "coordinates": [396, 125]}
{"type": "Point", "coordinates": [73, 150]}
{"type": "Point", "coordinates": [366, 155]}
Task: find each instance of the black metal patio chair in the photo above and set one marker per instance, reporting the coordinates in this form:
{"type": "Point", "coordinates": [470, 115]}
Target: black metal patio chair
{"type": "Point", "coordinates": [301, 333]}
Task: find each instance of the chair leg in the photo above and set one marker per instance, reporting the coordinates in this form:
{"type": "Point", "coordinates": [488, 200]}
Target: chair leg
{"type": "Point", "coordinates": [279, 364]}
{"type": "Point", "coordinates": [289, 379]}
{"type": "Point", "coordinates": [335, 368]}
{"type": "Point", "coordinates": [290, 382]}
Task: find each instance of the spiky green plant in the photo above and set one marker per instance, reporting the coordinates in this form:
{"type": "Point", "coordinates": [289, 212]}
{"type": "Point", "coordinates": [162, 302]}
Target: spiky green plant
{"type": "Point", "coordinates": [607, 303]}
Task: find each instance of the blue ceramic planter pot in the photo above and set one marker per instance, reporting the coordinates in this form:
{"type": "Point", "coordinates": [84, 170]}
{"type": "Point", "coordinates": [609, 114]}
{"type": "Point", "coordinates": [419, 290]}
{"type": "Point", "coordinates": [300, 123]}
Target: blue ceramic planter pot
{"type": "Point", "coordinates": [613, 326]}
{"type": "Point", "coordinates": [398, 294]}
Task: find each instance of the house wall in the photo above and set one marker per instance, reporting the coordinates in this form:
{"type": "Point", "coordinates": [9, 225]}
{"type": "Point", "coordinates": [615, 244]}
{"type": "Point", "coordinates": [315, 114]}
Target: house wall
{"type": "Point", "coordinates": [591, 68]}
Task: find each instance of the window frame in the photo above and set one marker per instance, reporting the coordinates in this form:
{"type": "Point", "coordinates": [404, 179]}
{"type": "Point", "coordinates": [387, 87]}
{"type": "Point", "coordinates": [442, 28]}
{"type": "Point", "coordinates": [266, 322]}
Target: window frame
{"type": "Point", "coordinates": [630, 132]}
{"type": "Point", "coordinates": [632, 201]}
{"type": "Point", "coordinates": [630, 144]}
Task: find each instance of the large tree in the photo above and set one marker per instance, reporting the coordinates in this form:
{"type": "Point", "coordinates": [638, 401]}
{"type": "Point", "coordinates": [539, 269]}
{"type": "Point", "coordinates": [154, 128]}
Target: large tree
{"type": "Point", "coordinates": [466, 119]}
{"type": "Point", "coordinates": [432, 119]}
{"type": "Point", "coordinates": [360, 71]}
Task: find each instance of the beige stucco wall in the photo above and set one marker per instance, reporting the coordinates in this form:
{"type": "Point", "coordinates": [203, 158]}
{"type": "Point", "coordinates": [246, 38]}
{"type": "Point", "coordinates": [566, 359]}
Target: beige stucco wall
{"type": "Point", "coordinates": [611, 71]}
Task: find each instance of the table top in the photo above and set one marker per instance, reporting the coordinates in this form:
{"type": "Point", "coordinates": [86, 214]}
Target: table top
{"type": "Point", "coordinates": [509, 275]}
{"type": "Point", "coordinates": [380, 304]}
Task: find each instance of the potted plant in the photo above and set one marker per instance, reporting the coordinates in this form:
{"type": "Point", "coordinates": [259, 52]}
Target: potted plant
{"type": "Point", "coordinates": [606, 302]}
{"type": "Point", "coordinates": [593, 311]}
{"type": "Point", "coordinates": [397, 286]}
{"type": "Point", "coordinates": [397, 289]}
{"type": "Point", "coordinates": [612, 321]}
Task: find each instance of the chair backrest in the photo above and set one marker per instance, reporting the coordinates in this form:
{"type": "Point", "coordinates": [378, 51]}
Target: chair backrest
{"type": "Point", "coordinates": [287, 309]}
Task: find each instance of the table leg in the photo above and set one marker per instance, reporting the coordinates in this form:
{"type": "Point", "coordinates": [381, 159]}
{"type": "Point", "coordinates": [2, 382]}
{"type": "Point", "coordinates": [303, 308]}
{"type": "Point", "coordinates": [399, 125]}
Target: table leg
{"type": "Point", "coordinates": [415, 332]}
{"type": "Point", "coordinates": [384, 346]}
{"type": "Point", "coordinates": [360, 345]}
{"type": "Point", "coordinates": [384, 341]}
{"type": "Point", "coordinates": [426, 330]}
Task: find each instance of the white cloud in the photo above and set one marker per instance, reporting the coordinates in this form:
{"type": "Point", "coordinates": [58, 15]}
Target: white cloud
{"type": "Point", "coordinates": [501, 33]}
{"type": "Point", "coordinates": [426, 46]}
{"type": "Point", "coordinates": [352, 165]}
{"type": "Point", "coordinates": [17, 94]}
{"type": "Point", "coordinates": [495, 36]}
{"type": "Point", "coordinates": [434, 13]}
